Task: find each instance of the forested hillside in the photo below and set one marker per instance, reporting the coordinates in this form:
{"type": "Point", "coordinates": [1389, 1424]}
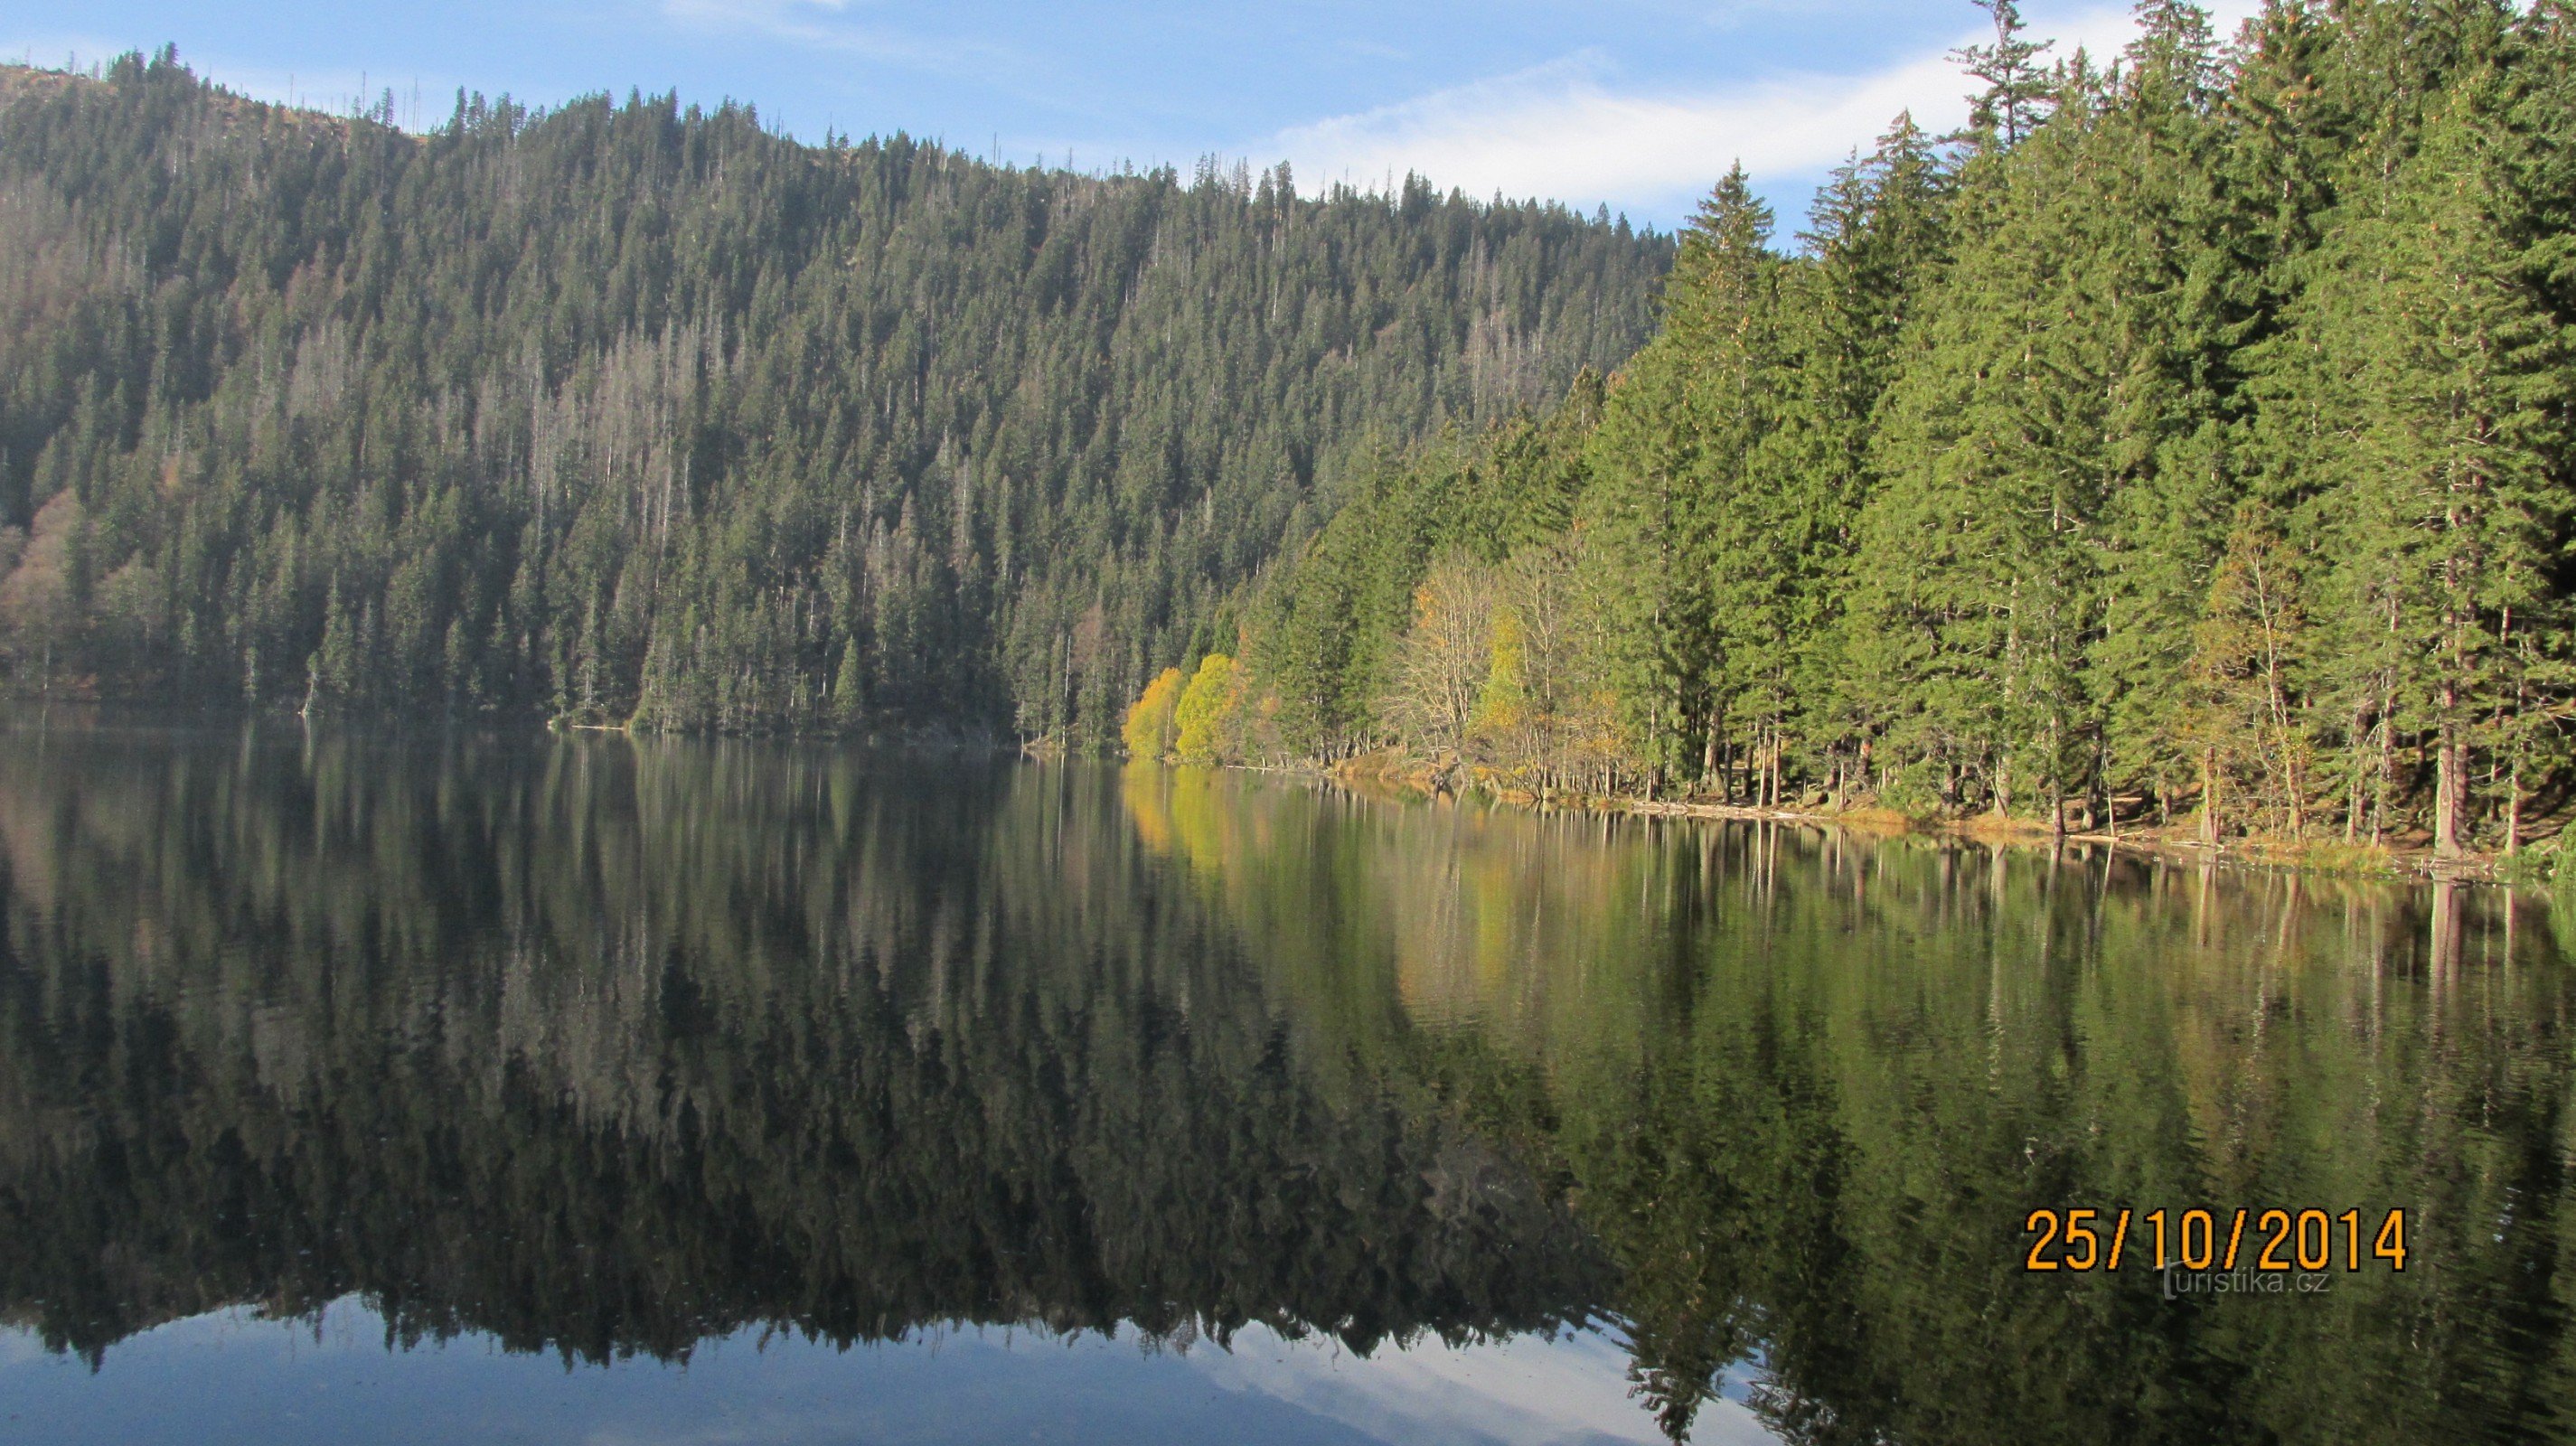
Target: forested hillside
{"type": "Point", "coordinates": [2186, 443]}
{"type": "Point", "coordinates": [646, 412]}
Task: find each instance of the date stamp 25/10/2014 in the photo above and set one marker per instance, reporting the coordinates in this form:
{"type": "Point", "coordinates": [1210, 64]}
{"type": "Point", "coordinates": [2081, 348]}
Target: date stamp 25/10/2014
{"type": "Point", "coordinates": [2257, 1240]}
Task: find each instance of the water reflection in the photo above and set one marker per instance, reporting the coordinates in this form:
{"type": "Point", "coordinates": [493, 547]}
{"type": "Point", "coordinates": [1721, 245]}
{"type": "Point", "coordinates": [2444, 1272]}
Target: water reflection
{"type": "Point", "coordinates": [632, 1051]}
{"type": "Point", "coordinates": [327, 1377]}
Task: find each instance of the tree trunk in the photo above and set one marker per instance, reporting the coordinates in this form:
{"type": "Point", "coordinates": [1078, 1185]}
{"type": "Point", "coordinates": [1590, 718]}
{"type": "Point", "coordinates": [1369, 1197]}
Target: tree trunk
{"type": "Point", "coordinates": [2450, 802]}
{"type": "Point", "coordinates": [2387, 770]}
{"type": "Point", "coordinates": [2513, 811]}
{"type": "Point", "coordinates": [2209, 796]}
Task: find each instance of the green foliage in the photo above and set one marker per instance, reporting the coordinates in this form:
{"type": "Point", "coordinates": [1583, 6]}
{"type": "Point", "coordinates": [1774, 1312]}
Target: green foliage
{"type": "Point", "coordinates": [1691, 549]}
{"type": "Point", "coordinates": [655, 414]}
{"type": "Point", "coordinates": [2444, 511]}
{"type": "Point", "coordinates": [2188, 437]}
{"type": "Point", "coordinates": [1323, 631]}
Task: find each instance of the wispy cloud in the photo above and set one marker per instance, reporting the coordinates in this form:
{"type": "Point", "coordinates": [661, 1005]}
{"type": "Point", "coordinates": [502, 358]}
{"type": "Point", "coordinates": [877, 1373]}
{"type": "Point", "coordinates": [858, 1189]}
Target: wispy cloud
{"type": "Point", "coordinates": [1373, 50]}
{"type": "Point", "coordinates": [753, 14]}
{"type": "Point", "coordinates": [1430, 1393]}
{"type": "Point", "coordinates": [817, 25]}
{"type": "Point", "coordinates": [1568, 131]}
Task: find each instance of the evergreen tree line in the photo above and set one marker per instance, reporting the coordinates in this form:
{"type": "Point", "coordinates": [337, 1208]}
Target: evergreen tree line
{"type": "Point", "coordinates": [2184, 443]}
{"type": "Point", "coordinates": [648, 413]}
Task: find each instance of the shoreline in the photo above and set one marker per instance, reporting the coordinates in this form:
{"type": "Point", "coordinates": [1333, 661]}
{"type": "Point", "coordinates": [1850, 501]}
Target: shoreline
{"type": "Point", "coordinates": [1380, 773]}
{"type": "Point", "coordinates": [2314, 856]}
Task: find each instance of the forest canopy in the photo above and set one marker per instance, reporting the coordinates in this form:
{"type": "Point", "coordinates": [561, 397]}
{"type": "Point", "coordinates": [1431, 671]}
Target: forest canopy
{"type": "Point", "coordinates": [2184, 443]}
{"type": "Point", "coordinates": [644, 412]}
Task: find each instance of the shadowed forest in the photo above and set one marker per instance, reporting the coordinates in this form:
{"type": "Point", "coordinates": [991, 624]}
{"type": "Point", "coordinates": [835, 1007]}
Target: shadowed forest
{"type": "Point", "coordinates": [644, 412]}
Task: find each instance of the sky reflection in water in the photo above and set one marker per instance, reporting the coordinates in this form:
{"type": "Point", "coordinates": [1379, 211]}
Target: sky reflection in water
{"type": "Point", "coordinates": [234, 1375]}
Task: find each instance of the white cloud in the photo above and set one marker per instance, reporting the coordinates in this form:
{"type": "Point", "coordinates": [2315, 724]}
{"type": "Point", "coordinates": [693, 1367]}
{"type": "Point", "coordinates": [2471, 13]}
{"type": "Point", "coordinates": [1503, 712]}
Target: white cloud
{"type": "Point", "coordinates": [1433, 1394]}
{"type": "Point", "coordinates": [1565, 131]}
{"type": "Point", "coordinates": [755, 14]}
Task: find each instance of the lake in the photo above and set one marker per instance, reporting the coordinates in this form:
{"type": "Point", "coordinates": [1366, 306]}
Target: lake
{"type": "Point", "coordinates": [465, 1086]}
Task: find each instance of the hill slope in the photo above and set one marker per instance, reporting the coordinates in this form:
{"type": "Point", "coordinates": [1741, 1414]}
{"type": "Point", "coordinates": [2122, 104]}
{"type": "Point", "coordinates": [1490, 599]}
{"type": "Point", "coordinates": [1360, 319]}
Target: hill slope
{"type": "Point", "coordinates": [642, 410]}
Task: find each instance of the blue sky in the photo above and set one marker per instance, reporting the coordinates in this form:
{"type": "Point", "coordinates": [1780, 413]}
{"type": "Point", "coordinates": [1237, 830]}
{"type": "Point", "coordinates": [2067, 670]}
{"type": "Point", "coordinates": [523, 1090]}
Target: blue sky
{"type": "Point", "coordinates": [1639, 104]}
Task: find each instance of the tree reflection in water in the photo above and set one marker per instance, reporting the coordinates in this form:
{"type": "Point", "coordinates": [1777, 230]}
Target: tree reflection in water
{"type": "Point", "coordinates": [609, 1047]}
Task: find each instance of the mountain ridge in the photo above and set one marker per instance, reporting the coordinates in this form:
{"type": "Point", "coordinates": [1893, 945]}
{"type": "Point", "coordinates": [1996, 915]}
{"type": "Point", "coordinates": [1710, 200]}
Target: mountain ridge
{"type": "Point", "coordinates": [641, 412]}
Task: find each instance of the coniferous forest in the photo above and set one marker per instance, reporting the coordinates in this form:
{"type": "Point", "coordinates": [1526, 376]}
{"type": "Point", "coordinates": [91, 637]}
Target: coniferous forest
{"type": "Point", "coordinates": [2184, 444]}
{"type": "Point", "coordinates": [646, 413]}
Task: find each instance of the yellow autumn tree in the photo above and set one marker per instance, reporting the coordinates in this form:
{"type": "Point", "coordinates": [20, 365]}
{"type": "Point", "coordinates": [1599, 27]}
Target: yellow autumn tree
{"type": "Point", "coordinates": [2240, 725]}
{"type": "Point", "coordinates": [1206, 713]}
{"type": "Point", "coordinates": [1504, 705]}
{"type": "Point", "coordinates": [1150, 729]}
{"type": "Point", "coordinates": [1446, 658]}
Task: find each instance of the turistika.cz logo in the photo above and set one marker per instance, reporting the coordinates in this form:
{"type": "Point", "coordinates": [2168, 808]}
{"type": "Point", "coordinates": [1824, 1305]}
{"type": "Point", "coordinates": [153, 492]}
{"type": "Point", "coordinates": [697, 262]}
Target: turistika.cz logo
{"type": "Point", "coordinates": [2180, 1281]}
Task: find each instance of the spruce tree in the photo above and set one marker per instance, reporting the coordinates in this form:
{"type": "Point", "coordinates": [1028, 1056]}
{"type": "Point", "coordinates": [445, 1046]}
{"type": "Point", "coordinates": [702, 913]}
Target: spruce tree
{"type": "Point", "coordinates": [1976, 588]}
{"type": "Point", "coordinates": [1689, 530]}
{"type": "Point", "coordinates": [2165, 295]}
{"type": "Point", "coordinates": [2444, 516]}
{"type": "Point", "coordinates": [1876, 243]}
{"type": "Point", "coordinates": [2019, 94]}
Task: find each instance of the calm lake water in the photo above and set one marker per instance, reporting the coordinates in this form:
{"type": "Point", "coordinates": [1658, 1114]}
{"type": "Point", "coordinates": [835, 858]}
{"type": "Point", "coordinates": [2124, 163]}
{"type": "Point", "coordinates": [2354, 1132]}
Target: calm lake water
{"type": "Point", "coordinates": [465, 1088]}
